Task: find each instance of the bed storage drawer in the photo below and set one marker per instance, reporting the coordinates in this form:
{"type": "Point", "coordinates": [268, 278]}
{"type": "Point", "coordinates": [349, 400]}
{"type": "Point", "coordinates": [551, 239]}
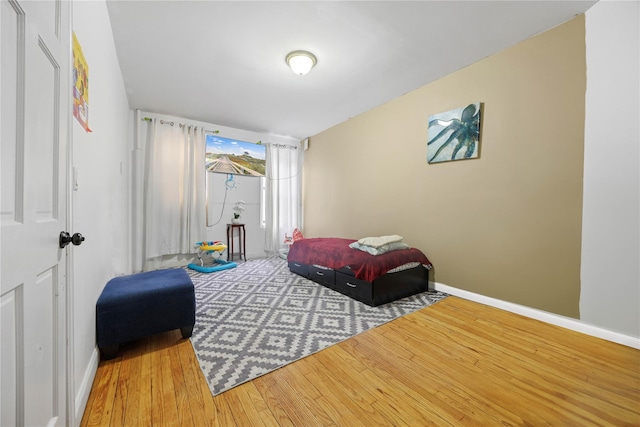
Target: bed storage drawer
{"type": "Point", "coordinates": [323, 276]}
{"type": "Point", "coordinates": [299, 268]}
{"type": "Point", "coordinates": [349, 285]}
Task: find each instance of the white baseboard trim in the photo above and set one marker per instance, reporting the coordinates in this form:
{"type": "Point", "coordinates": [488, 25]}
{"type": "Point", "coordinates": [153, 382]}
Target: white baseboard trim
{"type": "Point", "coordinates": [82, 394]}
{"type": "Point", "coordinates": [554, 319]}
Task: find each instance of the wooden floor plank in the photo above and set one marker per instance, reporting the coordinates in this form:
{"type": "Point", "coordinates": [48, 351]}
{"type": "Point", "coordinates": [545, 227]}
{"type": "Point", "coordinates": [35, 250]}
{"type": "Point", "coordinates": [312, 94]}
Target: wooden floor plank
{"type": "Point", "coordinates": [248, 416]}
{"type": "Point", "coordinates": [454, 363]}
{"type": "Point", "coordinates": [454, 404]}
{"type": "Point", "coordinates": [487, 380]}
{"type": "Point", "coordinates": [307, 393]}
{"type": "Point", "coordinates": [193, 378]}
{"type": "Point", "coordinates": [129, 387]}
{"type": "Point", "coordinates": [405, 376]}
{"type": "Point", "coordinates": [183, 402]}
{"type": "Point", "coordinates": [548, 380]}
{"type": "Point", "coordinates": [332, 401]}
{"type": "Point", "coordinates": [277, 408]}
{"type": "Point", "coordinates": [254, 398]}
{"type": "Point", "coordinates": [293, 402]}
{"type": "Point", "coordinates": [101, 406]}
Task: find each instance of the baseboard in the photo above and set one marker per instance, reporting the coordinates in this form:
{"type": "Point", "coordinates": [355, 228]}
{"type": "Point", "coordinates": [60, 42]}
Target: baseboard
{"type": "Point", "coordinates": [82, 395]}
{"type": "Point", "coordinates": [554, 319]}
{"type": "Point", "coordinates": [257, 255]}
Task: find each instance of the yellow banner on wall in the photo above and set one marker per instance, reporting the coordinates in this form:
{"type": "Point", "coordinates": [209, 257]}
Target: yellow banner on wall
{"type": "Point", "coordinates": [80, 85]}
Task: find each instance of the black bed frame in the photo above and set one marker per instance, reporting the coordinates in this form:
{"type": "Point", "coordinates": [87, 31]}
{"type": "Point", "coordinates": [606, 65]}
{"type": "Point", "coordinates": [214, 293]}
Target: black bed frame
{"type": "Point", "coordinates": [386, 288]}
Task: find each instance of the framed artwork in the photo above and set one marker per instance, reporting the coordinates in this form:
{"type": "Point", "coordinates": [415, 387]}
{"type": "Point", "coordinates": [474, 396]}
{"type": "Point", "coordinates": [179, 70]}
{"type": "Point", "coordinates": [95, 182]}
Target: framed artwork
{"type": "Point", "coordinates": [454, 134]}
{"type": "Point", "coordinates": [80, 85]}
{"type": "Point", "coordinates": [232, 156]}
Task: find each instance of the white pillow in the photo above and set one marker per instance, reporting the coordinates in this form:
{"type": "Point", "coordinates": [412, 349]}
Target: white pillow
{"type": "Point", "coordinates": [377, 242]}
{"type": "Point", "coordinates": [395, 246]}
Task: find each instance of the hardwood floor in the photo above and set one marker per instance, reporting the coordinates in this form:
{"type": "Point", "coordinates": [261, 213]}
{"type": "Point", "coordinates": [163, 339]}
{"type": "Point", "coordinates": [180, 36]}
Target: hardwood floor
{"type": "Point", "coordinates": [454, 363]}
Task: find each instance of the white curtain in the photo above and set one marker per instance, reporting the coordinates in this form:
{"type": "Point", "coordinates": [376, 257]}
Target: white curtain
{"type": "Point", "coordinates": [283, 194]}
{"type": "Point", "coordinates": [174, 190]}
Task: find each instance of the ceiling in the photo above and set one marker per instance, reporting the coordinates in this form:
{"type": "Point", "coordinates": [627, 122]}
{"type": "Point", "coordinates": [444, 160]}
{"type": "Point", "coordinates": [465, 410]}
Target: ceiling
{"type": "Point", "coordinates": [223, 62]}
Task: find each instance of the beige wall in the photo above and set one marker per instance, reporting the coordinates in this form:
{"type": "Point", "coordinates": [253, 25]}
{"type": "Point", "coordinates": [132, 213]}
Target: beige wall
{"type": "Point", "coordinates": [506, 225]}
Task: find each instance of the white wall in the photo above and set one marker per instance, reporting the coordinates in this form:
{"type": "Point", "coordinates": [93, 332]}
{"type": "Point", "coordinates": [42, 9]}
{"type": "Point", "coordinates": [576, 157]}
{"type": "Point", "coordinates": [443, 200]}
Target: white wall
{"type": "Point", "coordinates": [100, 205]}
{"type": "Point", "coordinates": [220, 211]}
{"type": "Point", "coordinates": [610, 279]}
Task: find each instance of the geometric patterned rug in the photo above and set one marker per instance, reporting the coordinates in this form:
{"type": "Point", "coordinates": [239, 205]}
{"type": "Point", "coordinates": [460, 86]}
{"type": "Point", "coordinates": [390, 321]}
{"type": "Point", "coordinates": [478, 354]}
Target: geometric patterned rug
{"type": "Point", "coordinates": [258, 317]}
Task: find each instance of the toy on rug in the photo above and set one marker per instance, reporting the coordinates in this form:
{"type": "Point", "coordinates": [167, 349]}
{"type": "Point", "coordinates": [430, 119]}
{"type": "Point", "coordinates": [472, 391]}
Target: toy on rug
{"type": "Point", "coordinates": [215, 251]}
{"type": "Point", "coordinates": [290, 240]}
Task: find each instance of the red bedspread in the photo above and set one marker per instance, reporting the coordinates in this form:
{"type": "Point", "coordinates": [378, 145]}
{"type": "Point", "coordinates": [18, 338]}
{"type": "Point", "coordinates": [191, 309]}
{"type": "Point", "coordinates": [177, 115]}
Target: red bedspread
{"type": "Point", "coordinates": [335, 253]}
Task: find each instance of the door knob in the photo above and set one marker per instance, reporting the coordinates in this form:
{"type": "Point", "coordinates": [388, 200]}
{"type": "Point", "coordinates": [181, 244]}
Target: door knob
{"type": "Point", "coordinates": [66, 238]}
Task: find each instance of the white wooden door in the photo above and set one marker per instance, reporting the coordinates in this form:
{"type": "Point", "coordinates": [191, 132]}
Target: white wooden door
{"type": "Point", "coordinates": [34, 125]}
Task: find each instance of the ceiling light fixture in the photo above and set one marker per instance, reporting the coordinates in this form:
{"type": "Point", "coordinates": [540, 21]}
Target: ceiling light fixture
{"type": "Point", "coordinates": [301, 61]}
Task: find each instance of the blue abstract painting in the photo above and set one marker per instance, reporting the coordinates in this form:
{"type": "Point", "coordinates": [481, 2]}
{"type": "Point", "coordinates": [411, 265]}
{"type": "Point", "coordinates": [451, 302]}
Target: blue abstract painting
{"type": "Point", "coordinates": [454, 134]}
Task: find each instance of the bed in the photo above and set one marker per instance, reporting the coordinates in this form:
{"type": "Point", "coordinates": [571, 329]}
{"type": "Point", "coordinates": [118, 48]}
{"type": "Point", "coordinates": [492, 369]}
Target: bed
{"type": "Point", "coordinates": [371, 279]}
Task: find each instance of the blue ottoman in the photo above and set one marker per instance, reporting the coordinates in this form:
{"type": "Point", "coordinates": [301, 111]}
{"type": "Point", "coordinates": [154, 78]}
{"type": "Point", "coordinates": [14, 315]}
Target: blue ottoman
{"type": "Point", "coordinates": [143, 304]}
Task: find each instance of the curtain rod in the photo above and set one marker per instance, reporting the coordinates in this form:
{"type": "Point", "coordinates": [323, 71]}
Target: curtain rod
{"type": "Point", "coordinates": [292, 147]}
{"type": "Point", "coordinates": [164, 122]}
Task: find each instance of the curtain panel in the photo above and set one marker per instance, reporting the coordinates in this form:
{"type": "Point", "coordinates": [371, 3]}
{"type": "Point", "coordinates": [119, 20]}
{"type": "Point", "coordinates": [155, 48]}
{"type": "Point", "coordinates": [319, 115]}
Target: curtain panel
{"type": "Point", "coordinates": [283, 194]}
{"type": "Point", "coordinates": [173, 200]}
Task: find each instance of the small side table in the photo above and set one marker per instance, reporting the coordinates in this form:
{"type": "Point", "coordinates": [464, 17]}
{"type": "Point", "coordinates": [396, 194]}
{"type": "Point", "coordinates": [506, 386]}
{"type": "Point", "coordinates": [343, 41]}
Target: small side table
{"type": "Point", "coordinates": [242, 241]}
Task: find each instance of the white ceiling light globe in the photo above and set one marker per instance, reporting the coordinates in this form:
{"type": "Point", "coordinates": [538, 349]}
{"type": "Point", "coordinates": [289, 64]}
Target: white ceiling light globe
{"type": "Point", "coordinates": [301, 62]}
